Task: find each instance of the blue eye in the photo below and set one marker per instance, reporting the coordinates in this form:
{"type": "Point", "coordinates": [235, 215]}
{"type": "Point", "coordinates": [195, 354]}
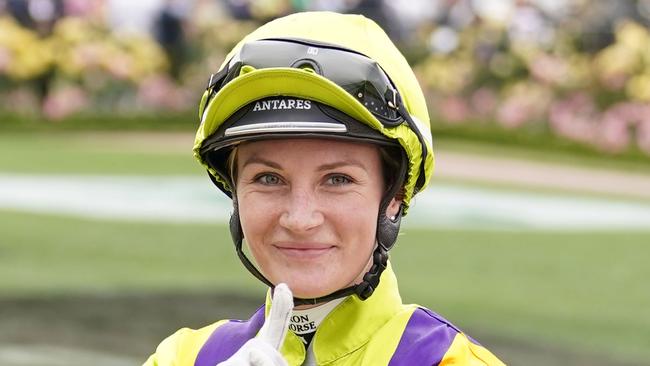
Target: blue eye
{"type": "Point", "coordinates": [268, 179]}
{"type": "Point", "coordinates": [338, 180]}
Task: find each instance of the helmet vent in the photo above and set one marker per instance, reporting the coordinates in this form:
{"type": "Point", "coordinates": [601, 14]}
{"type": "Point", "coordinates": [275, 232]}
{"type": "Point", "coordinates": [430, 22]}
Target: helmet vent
{"type": "Point", "coordinates": [307, 63]}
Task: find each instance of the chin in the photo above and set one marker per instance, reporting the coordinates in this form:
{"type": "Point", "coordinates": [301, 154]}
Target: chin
{"type": "Point", "coordinates": [310, 291]}
{"type": "Point", "coordinates": [307, 288]}
{"type": "Point", "coordinates": [310, 281]}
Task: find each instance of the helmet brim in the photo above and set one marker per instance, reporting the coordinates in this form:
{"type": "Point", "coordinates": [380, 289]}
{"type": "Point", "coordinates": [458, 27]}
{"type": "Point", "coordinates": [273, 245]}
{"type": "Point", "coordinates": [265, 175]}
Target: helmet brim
{"type": "Point", "coordinates": [278, 82]}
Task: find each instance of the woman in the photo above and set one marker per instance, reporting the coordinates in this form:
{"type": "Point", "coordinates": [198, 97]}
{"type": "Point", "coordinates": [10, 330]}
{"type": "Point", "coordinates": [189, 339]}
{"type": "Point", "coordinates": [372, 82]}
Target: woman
{"type": "Point", "coordinates": [317, 129]}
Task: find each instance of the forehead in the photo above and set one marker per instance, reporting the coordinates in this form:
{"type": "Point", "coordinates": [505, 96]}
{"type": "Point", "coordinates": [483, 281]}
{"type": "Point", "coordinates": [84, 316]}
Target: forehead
{"type": "Point", "coordinates": [313, 149]}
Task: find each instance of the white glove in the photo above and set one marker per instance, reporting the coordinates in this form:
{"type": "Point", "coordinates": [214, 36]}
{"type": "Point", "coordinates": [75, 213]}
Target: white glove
{"type": "Point", "coordinates": [263, 350]}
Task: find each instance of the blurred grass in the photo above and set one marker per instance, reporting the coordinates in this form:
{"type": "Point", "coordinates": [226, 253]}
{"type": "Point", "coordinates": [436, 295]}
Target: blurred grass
{"type": "Point", "coordinates": [581, 291]}
{"type": "Point", "coordinates": [98, 153]}
{"type": "Point", "coordinates": [46, 255]}
{"type": "Point", "coordinates": [584, 291]}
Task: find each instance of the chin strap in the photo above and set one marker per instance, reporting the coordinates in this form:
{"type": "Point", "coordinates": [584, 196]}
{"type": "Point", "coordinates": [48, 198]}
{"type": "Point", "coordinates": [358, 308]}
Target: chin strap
{"type": "Point", "coordinates": [387, 230]}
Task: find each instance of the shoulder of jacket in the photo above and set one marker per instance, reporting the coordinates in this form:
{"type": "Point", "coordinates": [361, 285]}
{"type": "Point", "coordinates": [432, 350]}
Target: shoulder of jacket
{"type": "Point", "coordinates": [427, 338]}
{"type": "Point", "coordinates": [459, 348]}
{"type": "Point", "coordinates": [426, 317]}
{"type": "Point", "coordinates": [466, 351]}
{"type": "Point", "coordinates": [182, 347]}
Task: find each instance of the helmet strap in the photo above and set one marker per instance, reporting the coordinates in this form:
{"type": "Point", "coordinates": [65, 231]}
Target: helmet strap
{"type": "Point", "coordinates": [237, 237]}
{"type": "Point", "coordinates": [387, 231]}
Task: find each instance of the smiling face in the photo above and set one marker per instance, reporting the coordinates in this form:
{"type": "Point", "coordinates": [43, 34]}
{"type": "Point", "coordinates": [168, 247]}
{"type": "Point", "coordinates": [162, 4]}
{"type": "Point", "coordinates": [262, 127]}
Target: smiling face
{"type": "Point", "coordinates": [308, 210]}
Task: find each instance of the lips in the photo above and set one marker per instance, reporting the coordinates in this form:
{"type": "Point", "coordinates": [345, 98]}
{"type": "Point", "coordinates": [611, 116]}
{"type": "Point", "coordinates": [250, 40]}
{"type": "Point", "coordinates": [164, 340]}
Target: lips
{"type": "Point", "coordinates": [304, 251]}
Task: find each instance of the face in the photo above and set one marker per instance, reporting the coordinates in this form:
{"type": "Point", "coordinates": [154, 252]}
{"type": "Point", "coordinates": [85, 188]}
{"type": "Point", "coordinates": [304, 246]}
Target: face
{"type": "Point", "coordinates": [308, 210]}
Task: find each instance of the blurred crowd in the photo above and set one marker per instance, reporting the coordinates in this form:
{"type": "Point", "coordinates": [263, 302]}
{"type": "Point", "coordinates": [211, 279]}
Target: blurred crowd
{"type": "Point", "coordinates": [575, 68]}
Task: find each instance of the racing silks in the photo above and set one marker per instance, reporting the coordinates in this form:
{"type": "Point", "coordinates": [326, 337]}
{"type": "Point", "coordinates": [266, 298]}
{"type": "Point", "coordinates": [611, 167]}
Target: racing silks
{"type": "Point", "coordinates": [378, 331]}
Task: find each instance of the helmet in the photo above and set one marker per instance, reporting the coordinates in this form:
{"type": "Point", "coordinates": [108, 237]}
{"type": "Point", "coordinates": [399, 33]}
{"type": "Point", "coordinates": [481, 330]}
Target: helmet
{"type": "Point", "coordinates": [363, 89]}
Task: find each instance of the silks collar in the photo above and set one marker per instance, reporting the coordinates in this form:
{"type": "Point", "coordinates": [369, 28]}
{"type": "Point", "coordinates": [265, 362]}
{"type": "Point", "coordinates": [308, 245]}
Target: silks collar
{"type": "Point", "coordinates": [349, 326]}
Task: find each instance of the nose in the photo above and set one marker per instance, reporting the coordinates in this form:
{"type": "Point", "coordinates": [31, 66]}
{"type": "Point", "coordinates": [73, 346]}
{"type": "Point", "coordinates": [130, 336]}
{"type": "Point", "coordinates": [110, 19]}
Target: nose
{"type": "Point", "coordinates": [301, 212]}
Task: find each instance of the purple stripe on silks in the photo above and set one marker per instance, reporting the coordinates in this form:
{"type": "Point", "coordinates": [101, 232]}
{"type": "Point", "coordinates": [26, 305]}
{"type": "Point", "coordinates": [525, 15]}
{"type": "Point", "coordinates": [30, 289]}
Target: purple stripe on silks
{"type": "Point", "coordinates": [425, 340]}
{"type": "Point", "coordinates": [228, 338]}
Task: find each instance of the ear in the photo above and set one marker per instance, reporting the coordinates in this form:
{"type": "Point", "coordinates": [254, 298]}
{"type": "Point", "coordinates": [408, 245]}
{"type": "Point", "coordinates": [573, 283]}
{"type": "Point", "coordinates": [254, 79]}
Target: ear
{"type": "Point", "coordinates": [393, 208]}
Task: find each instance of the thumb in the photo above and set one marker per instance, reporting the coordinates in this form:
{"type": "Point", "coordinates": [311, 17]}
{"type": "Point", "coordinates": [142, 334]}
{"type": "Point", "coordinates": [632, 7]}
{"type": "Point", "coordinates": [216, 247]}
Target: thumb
{"type": "Point", "coordinates": [276, 325]}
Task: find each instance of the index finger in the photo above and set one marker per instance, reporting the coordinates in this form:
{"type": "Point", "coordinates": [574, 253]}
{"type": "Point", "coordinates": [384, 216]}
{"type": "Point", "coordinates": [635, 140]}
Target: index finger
{"type": "Point", "coordinates": [277, 323]}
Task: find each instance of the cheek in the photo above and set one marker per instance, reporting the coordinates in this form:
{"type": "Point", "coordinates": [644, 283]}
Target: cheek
{"type": "Point", "coordinates": [255, 216]}
{"type": "Point", "coordinates": [357, 220]}
{"type": "Point", "coordinates": [356, 225]}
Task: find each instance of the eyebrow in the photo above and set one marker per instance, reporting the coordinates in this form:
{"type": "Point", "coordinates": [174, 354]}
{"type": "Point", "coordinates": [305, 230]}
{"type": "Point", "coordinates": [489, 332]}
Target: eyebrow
{"type": "Point", "coordinates": [339, 164]}
{"type": "Point", "coordinates": [256, 159]}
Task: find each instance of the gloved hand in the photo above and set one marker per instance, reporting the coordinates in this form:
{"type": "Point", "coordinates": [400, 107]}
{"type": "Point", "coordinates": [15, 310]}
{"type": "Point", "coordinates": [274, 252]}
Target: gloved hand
{"type": "Point", "coordinates": [263, 350]}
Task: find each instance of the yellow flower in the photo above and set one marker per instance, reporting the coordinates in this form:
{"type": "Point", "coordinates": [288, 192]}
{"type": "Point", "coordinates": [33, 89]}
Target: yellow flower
{"type": "Point", "coordinates": [146, 57]}
{"type": "Point", "coordinates": [616, 59]}
{"type": "Point", "coordinates": [579, 71]}
{"type": "Point", "coordinates": [78, 46]}
{"type": "Point", "coordinates": [28, 55]}
{"type": "Point", "coordinates": [638, 87]}
{"type": "Point", "coordinates": [627, 55]}
{"type": "Point", "coordinates": [447, 75]}
{"type": "Point", "coordinates": [632, 36]}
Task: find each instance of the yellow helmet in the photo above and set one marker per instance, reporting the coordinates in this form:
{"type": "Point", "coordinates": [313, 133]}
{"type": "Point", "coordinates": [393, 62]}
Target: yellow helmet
{"type": "Point", "coordinates": [363, 90]}
{"type": "Point", "coordinates": [238, 83]}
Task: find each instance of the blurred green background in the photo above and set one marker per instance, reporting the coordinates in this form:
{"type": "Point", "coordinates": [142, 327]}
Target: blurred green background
{"type": "Point", "coordinates": [533, 238]}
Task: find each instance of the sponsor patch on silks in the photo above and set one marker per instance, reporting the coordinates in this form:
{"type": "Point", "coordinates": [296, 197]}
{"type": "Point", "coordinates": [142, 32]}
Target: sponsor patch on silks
{"type": "Point", "coordinates": [305, 322]}
{"type": "Point", "coordinates": [304, 326]}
